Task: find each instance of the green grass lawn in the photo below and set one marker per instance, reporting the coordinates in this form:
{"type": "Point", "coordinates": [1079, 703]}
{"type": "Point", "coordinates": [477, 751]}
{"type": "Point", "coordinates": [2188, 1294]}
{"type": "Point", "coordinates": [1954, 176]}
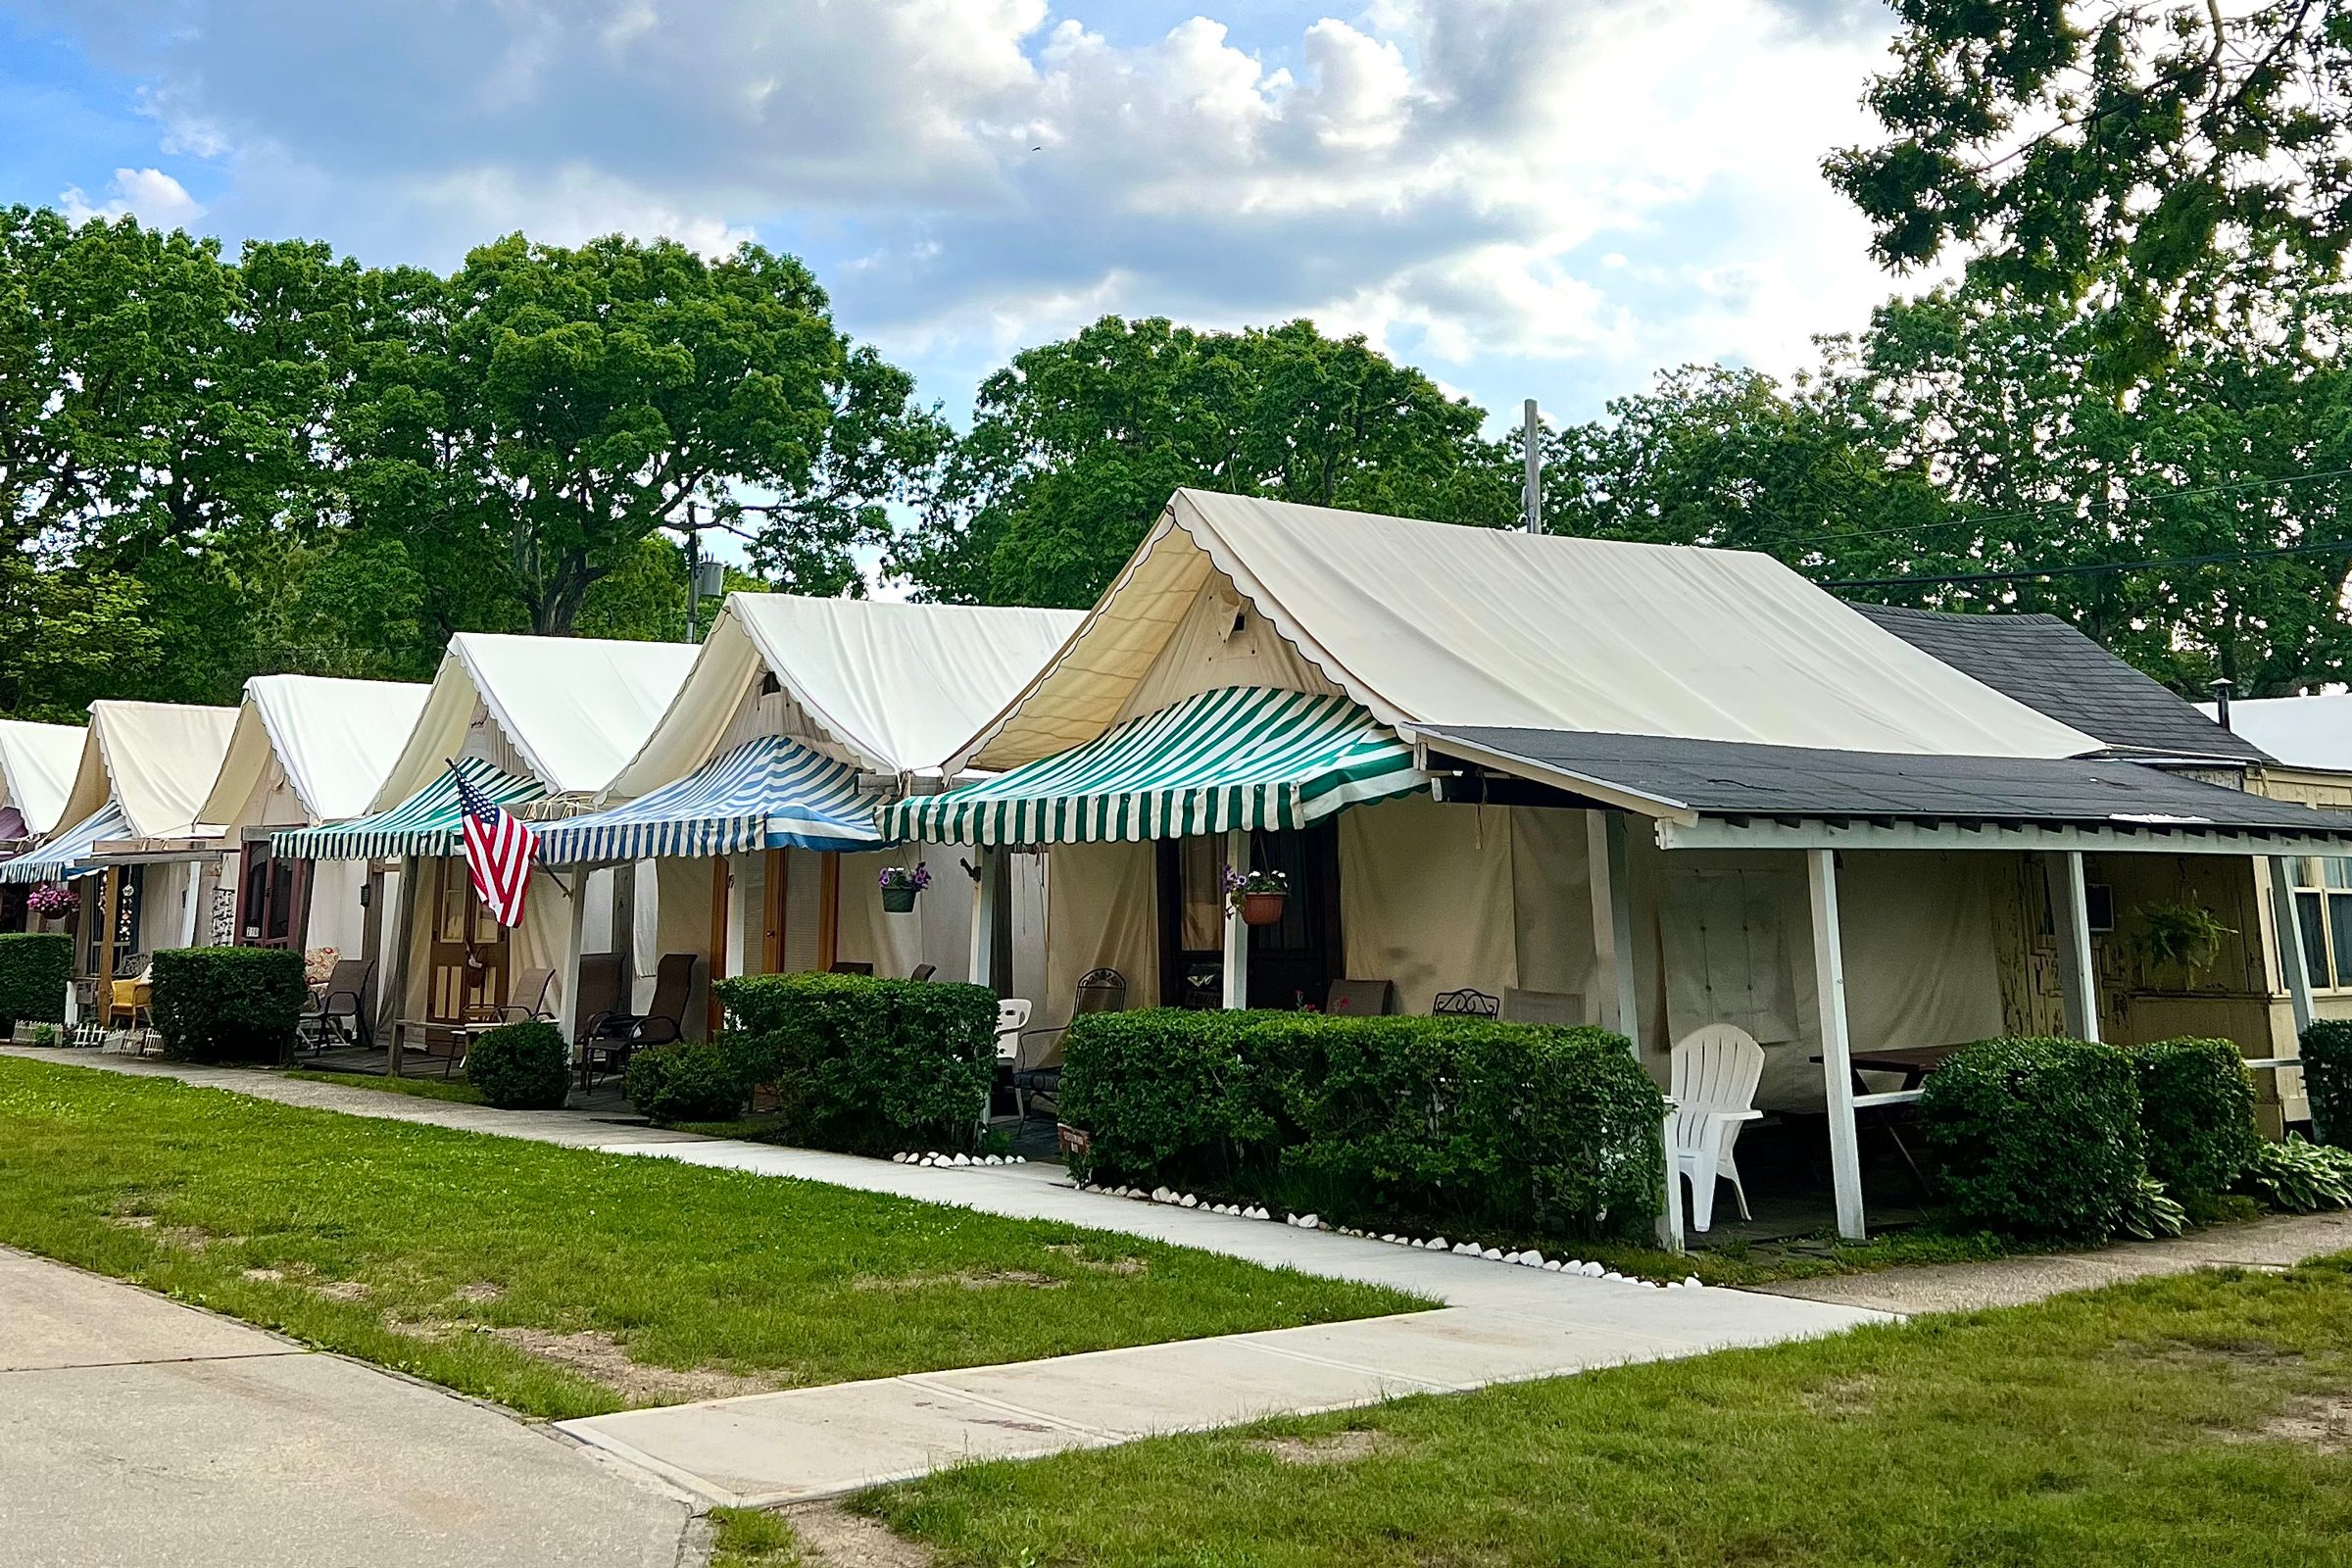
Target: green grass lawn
{"type": "Point", "coordinates": [564, 1282]}
{"type": "Point", "coordinates": [2202, 1419]}
{"type": "Point", "coordinates": [458, 1089]}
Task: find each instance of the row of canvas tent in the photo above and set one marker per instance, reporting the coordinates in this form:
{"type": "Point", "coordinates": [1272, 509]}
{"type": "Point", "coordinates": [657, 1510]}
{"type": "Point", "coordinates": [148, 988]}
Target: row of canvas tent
{"type": "Point", "coordinates": [1674, 785]}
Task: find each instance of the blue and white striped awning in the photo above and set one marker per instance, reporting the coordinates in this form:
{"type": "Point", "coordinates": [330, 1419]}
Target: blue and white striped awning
{"type": "Point", "coordinates": [65, 856]}
{"type": "Point", "coordinates": [427, 823]}
{"type": "Point", "coordinates": [1243, 757]}
{"type": "Point", "coordinates": [772, 793]}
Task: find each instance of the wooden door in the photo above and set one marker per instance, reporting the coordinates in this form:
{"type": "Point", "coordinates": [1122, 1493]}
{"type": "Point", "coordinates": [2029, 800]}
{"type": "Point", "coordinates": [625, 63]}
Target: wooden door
{"type": "Point", "coordinates": [274, 899]}
{"type": "Point", "coordinates": [466, 964]}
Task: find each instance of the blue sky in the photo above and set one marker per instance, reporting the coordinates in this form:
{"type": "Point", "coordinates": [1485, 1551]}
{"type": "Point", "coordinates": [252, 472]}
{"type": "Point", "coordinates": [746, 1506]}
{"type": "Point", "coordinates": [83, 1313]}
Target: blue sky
{"type": "Point", "coordinates": [1524, 197]}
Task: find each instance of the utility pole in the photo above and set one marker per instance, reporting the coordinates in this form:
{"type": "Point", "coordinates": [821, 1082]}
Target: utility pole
{"type": "Point", "coordinates": [1532, 435]}
{"type": "Point", "coordinates": [694, 573]}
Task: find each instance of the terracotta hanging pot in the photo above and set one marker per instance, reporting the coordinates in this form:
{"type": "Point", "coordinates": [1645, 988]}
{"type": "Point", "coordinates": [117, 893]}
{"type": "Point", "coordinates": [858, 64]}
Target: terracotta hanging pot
{"type": "Point", "coordinates": [1262, 908]}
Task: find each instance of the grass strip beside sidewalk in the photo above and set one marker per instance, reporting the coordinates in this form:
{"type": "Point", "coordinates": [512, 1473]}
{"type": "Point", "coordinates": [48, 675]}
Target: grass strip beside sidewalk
{"type": "Point", "coordinates": [2202, 1418]}
{"type": "Point", "coordinates": [564, 1282]}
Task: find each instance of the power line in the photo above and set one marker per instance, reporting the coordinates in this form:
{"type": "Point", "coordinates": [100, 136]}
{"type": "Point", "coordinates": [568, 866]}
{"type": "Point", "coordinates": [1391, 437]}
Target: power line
{"type": "Point", "coordinates": [2342, 547]}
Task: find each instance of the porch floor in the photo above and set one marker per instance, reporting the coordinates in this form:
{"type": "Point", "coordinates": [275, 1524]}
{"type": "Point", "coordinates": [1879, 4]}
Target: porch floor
{"type": "Point", "coordinates": [606, 1101]}
{"type": "Point", "coordinates": [1785, 1164]}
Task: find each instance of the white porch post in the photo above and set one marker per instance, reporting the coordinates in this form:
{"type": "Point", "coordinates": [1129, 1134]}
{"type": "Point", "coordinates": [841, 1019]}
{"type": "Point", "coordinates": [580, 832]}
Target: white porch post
{"type": "Point", "coordinates": [984, 916]}
{"type": "Point", "coordinates": [567, 1015]}
{"type": "Point", "coordinates": [1236, 935]}
{"type": "Point", "coordinates": [2293, 964]}
{"type": "Point", "coordinates": [1836, 1065]}
{"type": "Point", "coordinates": [2070, 921]}
{"type": "Point", "coordinates": [1614, 925]}
{"type": "Point", "coordinates": [403, 921]}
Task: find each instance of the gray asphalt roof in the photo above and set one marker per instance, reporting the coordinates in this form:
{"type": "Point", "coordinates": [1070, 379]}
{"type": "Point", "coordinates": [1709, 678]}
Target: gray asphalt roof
{"type": "Point", "coordinates": [2048, 666]}
{"type": "Point", "coordinates": [1727, 778]}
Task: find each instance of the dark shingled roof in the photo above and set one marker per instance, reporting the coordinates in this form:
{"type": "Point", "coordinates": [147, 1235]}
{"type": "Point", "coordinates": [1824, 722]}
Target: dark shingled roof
{"type": "Point", "coordinates": [1729, 778]}
{"type": "Point", "coordinates": [2049, 667]}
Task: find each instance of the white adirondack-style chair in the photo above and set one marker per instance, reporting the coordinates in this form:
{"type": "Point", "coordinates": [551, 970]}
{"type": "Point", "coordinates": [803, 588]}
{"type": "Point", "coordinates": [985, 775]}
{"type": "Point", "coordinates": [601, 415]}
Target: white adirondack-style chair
{"type": "Point", "coordinates": [1013, 1016]}
{"type": "Point", "coordinates": [1716, 1067]}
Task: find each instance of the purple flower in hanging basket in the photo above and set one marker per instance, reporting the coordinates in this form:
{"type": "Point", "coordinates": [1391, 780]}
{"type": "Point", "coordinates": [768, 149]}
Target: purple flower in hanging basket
{"type": "Point", "coordinates": [51, 900]}
{"type": "Point", "coordinates": [898, 876]}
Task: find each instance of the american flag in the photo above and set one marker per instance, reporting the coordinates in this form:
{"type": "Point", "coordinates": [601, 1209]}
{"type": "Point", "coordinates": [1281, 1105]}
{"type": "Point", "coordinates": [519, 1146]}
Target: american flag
{"type": "Point", "coordinates": [499, 852]}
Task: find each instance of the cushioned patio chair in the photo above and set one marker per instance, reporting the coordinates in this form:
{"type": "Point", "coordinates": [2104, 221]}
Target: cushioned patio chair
{"type": "Point", "coordinates": [607, 1042]}
{"type": "Point", "coordinates": [1542, 1007]}
{"type": "Point", "coordinates": [1099, 991]}
{"type": "Point", "coordinates": [336, 1008]}
{"type": "Point", "coordinates": [1360, 999]}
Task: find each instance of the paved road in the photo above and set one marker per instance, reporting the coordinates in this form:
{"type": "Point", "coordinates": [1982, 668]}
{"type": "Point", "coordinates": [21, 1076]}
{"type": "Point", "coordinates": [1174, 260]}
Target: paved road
{"type": "Point", "coordinates": [136, 1433]}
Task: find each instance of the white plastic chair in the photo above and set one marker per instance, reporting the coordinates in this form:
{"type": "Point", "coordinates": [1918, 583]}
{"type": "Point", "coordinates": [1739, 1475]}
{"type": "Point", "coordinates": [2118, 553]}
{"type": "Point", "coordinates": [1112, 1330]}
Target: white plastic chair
{"type": "Point", "coordinates": [1013, 1016]}
{"type": "Point", "coordinates": [1716, 1067]}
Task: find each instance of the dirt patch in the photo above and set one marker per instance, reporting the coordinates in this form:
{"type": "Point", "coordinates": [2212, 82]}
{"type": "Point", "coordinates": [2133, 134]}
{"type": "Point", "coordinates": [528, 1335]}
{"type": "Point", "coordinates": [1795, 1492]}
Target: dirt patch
{"type": "Point", "coordinates": [987, 1279]}
{"type": "Point", "coordinates": [598, 1356]}
{"type": "Point", "coordinates": [2249, 1355]}
{"type": "Point", "coordinates": [1335, 1448]}
{"type": "Point", "coordinates": [2321, 1423]}
{"type": "Point", "coordinates": [340, 1290]}
{"type": "Point", "coordinates": [267, 1276]}
{"type": "Point", "coordinates": [187, 1238]}
{"type": "Point", "coordinates": [1841, 1398]}
{"type": "Point", "coordinates": [479, 1292]}
{"type": "Point", "coordinates": [1126, 1267]}
{"type": "Point", "coordinates": [832, 1537]}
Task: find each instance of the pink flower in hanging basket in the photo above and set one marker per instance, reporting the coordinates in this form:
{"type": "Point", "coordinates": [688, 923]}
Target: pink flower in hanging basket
{"type": "Point", "coordinates": [51, 900]}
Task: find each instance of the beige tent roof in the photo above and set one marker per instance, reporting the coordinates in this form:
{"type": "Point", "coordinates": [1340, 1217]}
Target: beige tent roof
{"type": "Point", "coordinates": [573, 708]}
{"type": "Point", "coordinates": [1433, 624]}
{"type": "Point", "coordinates": [157, 760]}
{"type": "Point", "coordinates": [37, 763]}
{"type": "Point", "coordinates": [334, 740]}
{"type": "Point", "coordinates": [891, 687]}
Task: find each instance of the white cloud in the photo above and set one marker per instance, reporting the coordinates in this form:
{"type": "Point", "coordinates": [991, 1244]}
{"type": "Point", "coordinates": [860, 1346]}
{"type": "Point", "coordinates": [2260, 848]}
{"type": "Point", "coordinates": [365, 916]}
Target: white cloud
{"type": "Point", "coordinates": [161, 201]}
{"type": "Point", "coordinates": [1518, 182]}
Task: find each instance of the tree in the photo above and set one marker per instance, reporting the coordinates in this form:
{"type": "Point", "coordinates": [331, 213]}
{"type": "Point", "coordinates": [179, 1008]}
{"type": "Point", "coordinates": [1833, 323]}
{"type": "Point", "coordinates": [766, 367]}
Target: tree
{"type": "Point", "coordinates": [1077, 445]}
{"type": "Point", "coordinates": [2125, 145]}
{"type": "Point", "coordinates": [529, 421]}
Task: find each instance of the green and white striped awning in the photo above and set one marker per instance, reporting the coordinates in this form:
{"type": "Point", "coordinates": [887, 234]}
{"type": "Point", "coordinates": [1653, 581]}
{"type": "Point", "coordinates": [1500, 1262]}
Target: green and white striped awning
{"type": "Point", "coordinates": [1243, 757]}
{"type": "Point", "coordinates": [427, 823]}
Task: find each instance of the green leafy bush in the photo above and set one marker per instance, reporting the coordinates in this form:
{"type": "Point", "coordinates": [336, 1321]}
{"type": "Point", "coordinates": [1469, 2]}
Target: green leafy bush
{"type": "Point", "coordinates": [688, 1080]}
{"type": "Point", "coordinates": [36, 968]}
{"type": "Point", "coordinates": [2150, 1212]}
{"type": "Point", "coordinates": [2037, 1138]}
{"type": "Point", "coordinates": [228, 1004]}
{"type": "Point", "coordinates": [520, 1066]}
{"type": "Point", "coordinates": [2328, 1079]}
{"type": "Point", "coordinates": [2196, 1105]}
{"type": "Point", "coordinates": [2299, 1177]}
{"type": "Point", "coordinates": [865, 1064]}
{"type": "Point", "coordinates": [1370, 1119]}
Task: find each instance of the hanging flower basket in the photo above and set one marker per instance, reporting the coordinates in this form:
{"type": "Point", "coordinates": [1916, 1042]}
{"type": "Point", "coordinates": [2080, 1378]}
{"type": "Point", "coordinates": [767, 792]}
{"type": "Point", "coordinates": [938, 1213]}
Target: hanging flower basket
{"type": "Point", "coordinates": [1258, 896]}
{"type": "Point", "coordinates": [52, 904]}
{"type": "Point", "coordinates": [900, 886]}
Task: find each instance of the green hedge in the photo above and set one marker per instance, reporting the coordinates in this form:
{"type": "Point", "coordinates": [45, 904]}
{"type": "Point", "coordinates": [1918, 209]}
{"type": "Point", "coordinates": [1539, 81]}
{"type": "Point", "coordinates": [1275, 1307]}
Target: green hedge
{"type": "Point", "coordinates": [1444, 1121]}
{"type": "Point", "coordinates": [865, 1064]}
{"type": "Point", "coordinates": [2328, 1079]}
{"type": "Point", "coordinates": [35, 967]}
{"type": "Point", "coordinates": [520, 1066]}
{"type": "Point", "coordinates": [691, 1080]}
{"type": "Point", "coordinates": [228, 1004]}
{"type": "Point", "coordinates": [2037, 1138]}
{"type": "Point", "coordinates": [2196, 1106]}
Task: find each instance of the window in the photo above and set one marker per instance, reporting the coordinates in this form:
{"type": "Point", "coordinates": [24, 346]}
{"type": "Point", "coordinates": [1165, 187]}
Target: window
{"type": "Point", "coordinates": [2323, 917]}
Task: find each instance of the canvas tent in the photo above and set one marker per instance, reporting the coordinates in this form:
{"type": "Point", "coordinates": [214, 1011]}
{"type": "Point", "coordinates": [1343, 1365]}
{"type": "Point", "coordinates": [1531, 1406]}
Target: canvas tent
{"type": "Point", "coordinates": [538, 722]}
{"type": "Point", "coordinates": [752, 802]}
{"type": "Point", "coordinates": [37, 763]}
{"type": "Point", "coordinates": [309, 749]}
{"type": "Point", "coordinates": [1534, 867]}
{"type": "Point", "coordinates": [132, 823]}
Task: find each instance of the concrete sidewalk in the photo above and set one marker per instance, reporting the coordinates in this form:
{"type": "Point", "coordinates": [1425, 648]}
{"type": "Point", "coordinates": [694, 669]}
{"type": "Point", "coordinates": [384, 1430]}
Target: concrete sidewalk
{"type": "Point", "coordinates": [135, 1430]}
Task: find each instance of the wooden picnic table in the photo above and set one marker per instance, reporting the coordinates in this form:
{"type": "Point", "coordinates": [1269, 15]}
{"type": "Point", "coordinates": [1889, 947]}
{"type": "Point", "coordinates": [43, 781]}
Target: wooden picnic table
{"type": "Point", "coordinates": [1914, 1062]}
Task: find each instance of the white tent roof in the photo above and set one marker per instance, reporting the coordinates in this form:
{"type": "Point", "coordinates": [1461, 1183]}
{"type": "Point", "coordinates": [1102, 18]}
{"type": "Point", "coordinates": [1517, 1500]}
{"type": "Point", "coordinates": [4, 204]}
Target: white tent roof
{"type": "Point", "coordinates": [37, 763]}
{"type": "Point", "coordinates": [891, 688]}
{"type": "Point", "coordinates": [1434, 624]}
{"type": "Point", "coordinates": [2299, 731]}
{"type": "Point", "coordinates": [157, 760]}
{"type": "Point", "coordinates": [573, 708]}
{"type": "Point", "coordinates": [334, 740]}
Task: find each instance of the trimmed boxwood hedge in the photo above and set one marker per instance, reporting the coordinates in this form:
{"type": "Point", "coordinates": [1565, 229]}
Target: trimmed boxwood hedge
{"type": "Point", "coordinates": [2196, 1106]}
{"type": "Point", "coordinates": [228, 1004]}
{"type": "Point", "coordinates": [35, 967]}
{"type": "Point", "coordinates": [865, 1064]}
{"type": "Point", "coordinates": [2328, 1079]}
{"type": "Point", "coordinates": [1445, 1121]}
{"type": "Point", "coordinates": [2037, 1138]}
{"type": "Point", "coordinates": [691, 1080]}
{"type": "Point", "coordinates": [520, 1066]}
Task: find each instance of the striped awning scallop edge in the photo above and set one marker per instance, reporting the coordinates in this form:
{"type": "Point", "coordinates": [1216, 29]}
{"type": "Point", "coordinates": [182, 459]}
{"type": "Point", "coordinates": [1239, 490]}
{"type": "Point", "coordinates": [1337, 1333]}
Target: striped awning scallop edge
{"type": "Point", "coordinates": [59, 858]}
{"type": "Point", "coordinates": [771, 793]}
{"type": "Point", "coordinates": [427, 823]}
{"type": "Point", "coordinates": [1242, 757]}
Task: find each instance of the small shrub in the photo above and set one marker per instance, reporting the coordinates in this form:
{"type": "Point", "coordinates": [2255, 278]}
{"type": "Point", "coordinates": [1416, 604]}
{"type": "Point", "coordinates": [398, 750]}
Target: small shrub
{"type": "Point", "coordinates": [865, 1064]}
{"type": "Point", "coordinates": [520, 1066]}
{"type": "Point", "coordinates": [2328, 1079]}
{"type": "Point", "coordinates": [2150, 1212]}
{"type": "Point", "coordinates": [688, 1080]}
{"type": "Point", "coordinates": [2299, 1177]}
{"type": "Point", "coordinates": [1371, 1119]}
{"type": "Point", "coordinates": [2037, 1138]}
{"type": "Point", "coordinates": [228, 1004]}
{"type": "Point", "coordinates": [35, 967]}
{"type": "Point", "coordinates": [2196, 1106]}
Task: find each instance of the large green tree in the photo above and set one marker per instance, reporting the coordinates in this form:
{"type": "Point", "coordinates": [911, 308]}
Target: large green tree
{"type": "Point", "coordinates": [1077, 445]}
{"type": "Point", "coordinates": [2169, 157]}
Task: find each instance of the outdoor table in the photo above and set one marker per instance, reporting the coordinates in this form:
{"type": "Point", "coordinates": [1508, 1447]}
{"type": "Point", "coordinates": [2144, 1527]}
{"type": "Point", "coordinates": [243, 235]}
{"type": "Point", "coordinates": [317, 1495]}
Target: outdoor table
{"type": "Point", "coordinates": [1914, 1062]}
